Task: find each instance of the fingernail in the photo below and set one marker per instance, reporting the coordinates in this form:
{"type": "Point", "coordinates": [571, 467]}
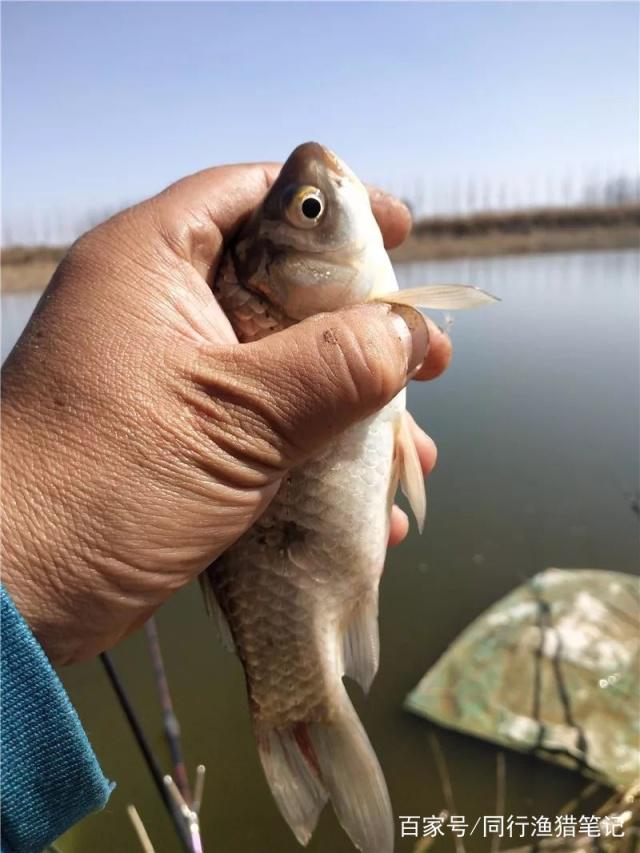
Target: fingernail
{"type": "Point", "coordinates": [414, 333]}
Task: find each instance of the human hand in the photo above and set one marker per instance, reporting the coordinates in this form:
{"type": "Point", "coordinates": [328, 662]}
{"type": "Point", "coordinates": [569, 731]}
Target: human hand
{"type": "Point", "coordinates": [141, 440]}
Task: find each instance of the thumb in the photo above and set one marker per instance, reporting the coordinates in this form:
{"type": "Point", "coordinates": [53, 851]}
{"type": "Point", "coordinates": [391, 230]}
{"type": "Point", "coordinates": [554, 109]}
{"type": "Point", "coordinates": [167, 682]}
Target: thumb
{"type": "Point", "coordinates": [282, 398]}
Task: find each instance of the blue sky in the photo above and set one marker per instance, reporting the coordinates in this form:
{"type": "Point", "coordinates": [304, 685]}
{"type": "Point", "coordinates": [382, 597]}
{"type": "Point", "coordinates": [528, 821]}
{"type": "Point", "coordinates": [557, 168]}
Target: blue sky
{"type": "Point", "coordinates": [104, 103]}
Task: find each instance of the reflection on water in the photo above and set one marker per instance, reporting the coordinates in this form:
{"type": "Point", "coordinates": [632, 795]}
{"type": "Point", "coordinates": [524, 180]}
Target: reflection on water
{"type": "Point", "coordinates": [536, 424]}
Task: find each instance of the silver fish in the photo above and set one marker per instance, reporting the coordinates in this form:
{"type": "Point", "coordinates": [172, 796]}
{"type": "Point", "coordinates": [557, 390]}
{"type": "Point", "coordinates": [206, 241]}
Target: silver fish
{"type": "Point", "coordinates": [297, 595]}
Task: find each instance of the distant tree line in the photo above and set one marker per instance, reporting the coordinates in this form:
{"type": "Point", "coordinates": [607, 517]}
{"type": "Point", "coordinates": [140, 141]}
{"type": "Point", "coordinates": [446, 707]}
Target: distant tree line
{"type": "Point", "coordinates": [425, 196]}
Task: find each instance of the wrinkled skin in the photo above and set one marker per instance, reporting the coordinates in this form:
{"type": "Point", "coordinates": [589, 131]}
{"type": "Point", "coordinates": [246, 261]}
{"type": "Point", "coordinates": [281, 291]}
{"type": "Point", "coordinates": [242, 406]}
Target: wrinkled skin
{"type": "Point", "coordinates": [140, 439]}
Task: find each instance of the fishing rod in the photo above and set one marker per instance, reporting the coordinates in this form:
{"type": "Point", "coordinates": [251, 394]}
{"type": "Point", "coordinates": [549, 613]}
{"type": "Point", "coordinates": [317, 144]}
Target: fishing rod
{"type": "Point", "coordinates": [154, 768]}
{"type": "Point", "coordinates": [169, 717]}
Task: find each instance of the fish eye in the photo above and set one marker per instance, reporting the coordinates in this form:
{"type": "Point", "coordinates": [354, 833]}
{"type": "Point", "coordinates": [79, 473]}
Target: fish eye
{"type": "Point", "coordinates": [305, 207]}
{"type": "Point", "coordinates": [312, 207]}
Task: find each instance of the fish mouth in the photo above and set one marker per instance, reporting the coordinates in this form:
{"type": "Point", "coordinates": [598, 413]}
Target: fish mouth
{"type": "Point", "coordinates": [310, 152]}
{"type": "Point", "coordinates": [308, 161]}
{"type": "Point", "coordinates": [340, 171]}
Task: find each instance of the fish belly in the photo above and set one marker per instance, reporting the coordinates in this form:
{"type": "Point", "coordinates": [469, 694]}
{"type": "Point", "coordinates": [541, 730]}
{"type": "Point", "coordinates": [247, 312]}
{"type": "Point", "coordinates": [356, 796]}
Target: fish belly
{"type": "Point", "coordinates": [300, 593]}
{"type": "Point", "coordinates": [291, 585]}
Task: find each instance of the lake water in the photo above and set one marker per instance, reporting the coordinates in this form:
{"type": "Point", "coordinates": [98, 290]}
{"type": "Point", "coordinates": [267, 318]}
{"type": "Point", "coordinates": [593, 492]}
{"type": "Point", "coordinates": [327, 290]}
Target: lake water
{"type": "Point", "coordinates": [537, 427]}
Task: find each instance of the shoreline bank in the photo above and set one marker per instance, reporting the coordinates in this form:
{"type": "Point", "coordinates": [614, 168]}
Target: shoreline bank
{"type": "Point", "coordinates": [29, 268]}
{"type": "Point", "coordinates": [491, 233]}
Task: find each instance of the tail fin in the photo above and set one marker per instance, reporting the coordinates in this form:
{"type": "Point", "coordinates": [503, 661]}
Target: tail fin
{"type": "Point", "coordinates": [292, 776]}
{"type": "Point", "coordinates": [354, 780]}
{"type": "Point", "coordinates": [308, 763]}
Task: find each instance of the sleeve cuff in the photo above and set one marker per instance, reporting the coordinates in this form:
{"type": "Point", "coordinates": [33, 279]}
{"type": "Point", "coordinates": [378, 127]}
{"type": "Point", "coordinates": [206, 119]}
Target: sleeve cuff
{"type": "Point", "coordinates": [51, 778]}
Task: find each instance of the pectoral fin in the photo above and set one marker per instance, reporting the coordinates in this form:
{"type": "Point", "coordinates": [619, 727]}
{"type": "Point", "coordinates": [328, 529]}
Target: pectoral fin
{"type": "Point", "coordinates": [445, 297]}
{"type": "Point", "coordinates": [410, 471]}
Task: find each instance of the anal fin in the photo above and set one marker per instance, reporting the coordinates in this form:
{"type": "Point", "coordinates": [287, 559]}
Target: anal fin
{"type": "Point", "coordinates": [360, 642]}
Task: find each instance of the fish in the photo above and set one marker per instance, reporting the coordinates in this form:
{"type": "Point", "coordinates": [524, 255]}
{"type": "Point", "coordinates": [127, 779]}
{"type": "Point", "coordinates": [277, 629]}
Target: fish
{"type": "Point", "coordinates": [297, 595]}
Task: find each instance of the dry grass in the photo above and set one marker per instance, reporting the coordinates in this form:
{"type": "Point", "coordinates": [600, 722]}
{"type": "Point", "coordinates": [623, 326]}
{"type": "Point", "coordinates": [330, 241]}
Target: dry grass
{"type": "Point", "coordinates": [29, 268]}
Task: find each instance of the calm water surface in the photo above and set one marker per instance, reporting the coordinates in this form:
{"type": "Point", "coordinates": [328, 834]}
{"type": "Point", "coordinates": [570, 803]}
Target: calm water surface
{"type": "Point", "coordinates": [537, 428]}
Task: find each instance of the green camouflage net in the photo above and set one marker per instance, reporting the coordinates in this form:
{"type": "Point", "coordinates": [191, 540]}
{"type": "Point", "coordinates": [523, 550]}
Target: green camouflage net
{"type": "Point", "coordinates": [552, 668]}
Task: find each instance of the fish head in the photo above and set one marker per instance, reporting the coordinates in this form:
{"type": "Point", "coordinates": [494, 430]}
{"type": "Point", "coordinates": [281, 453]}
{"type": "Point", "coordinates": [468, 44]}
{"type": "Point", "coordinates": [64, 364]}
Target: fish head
{"type": "Point", "coordinates": [314, 244]}
{"type": "Point", "coordinates": [317, 204]}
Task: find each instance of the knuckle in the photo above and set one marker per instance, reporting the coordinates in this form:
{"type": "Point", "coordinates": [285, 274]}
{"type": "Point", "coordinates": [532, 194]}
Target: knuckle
{"type": "Point", "coordinates": [244, 428]}
{"type": "Point", "coordinates": [362, 357]}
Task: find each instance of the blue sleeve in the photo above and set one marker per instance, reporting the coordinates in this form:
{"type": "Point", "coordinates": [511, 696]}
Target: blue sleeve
{"type": "Point", "coordinates": [50, 775]}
